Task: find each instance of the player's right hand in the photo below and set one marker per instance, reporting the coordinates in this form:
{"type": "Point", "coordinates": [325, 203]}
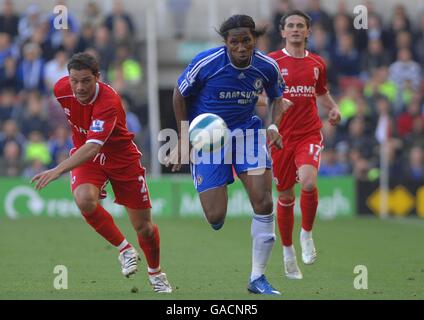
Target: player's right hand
{"type": "Point", "coordinates": [45, 177]}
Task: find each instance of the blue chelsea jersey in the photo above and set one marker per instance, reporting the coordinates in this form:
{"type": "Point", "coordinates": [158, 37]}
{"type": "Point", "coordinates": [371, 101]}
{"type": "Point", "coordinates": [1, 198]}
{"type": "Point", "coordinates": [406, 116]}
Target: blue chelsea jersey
{"type": "Point", "coordinates": [213, 84]}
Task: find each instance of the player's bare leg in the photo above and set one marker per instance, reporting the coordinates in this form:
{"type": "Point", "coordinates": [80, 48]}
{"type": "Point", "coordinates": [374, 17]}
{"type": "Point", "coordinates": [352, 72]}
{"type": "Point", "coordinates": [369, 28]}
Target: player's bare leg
{"type": "Point", "coordinates": [308, 204]}
{"type": "Point", "coordinates": [214, 204]}
{"type": "Point", "coordinates": [259, 189]}
{"type": "Point", "coordinates": [149, 241]}
{"type": "Point", "coordinates": [87, 199]}
{"type": "Point", "coordinates": [285, 218]}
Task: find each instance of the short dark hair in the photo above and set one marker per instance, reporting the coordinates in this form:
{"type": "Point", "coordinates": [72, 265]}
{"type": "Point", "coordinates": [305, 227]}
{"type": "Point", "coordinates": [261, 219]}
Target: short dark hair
{"type": "Point", "coordinates": [83, 60]}
{"type": "Point", "coordinates": [240, 21]}
{"type": "Point", "coordinates": [295, 13]}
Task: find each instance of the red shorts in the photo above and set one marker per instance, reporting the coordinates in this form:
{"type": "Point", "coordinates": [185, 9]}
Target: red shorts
{"type": "Point", "coordinates": [287, 161]}
{"type": "Point", "coordinates": [128, 183]}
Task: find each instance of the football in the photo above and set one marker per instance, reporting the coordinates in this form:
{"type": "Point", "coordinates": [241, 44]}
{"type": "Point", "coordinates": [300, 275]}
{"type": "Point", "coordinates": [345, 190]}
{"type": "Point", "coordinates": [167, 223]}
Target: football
{"type": "Point", "coordinates": [208, 132]}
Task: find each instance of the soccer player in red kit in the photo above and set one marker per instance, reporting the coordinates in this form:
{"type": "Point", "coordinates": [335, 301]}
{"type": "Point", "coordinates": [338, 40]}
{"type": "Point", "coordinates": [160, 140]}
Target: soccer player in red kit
{"type": "Point", "coordinates": [104, 152]}
{"type": "Point", "coordinates": [298, 161]}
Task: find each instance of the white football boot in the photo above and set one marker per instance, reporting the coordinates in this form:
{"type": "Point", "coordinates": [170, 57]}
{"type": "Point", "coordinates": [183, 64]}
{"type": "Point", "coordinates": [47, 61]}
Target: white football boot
{"type": "Point", "coordinates": [160, 283]}
{"type": "Point", "coordinates": [309, 254]}
{"type": "Point", "coordinates": [292, 269]}
{"type": "Point", "coordinates": [128, 260]}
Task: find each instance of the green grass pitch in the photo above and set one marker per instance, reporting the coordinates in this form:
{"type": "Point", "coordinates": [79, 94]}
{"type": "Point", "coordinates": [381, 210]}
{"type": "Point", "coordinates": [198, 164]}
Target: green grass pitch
{"type": "Point", "coordinates": [204, 264]}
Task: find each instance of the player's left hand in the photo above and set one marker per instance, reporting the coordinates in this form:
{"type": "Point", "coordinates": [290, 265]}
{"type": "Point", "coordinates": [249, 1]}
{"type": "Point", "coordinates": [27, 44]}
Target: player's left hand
{"type": "Point", "coordinates": [274, 138]}
{"type": "Point", "coordinates": [334, 116]}
{"type": "Point", "coordinates": [45, 177]}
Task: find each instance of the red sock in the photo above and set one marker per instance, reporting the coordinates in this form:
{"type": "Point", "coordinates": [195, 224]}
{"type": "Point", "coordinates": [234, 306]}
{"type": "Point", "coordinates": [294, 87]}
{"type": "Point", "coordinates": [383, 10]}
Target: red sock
{"type": "Point", "coordinates": [308, 205]}
{"type": "Point", "coordinates": [104, 225]}
{"type": "Point", "coordinates": [151, 249]}
{"type": "Point", "coordinates": [285, 219]}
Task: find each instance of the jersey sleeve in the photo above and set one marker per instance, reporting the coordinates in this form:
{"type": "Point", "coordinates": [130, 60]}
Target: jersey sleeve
{"type": "Point", "coordinates": [274, 88]}
{"type": "Point", "coordinates": [321, 86]}
{"type": "Point", "coordinates": [102, 123]}
{"type": "Point", "coordinates": [191, 81]}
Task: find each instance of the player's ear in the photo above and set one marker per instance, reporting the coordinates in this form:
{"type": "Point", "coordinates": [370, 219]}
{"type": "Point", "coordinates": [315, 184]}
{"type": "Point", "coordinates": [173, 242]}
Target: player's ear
{"type": "Point", "coordinates": [97, 76]}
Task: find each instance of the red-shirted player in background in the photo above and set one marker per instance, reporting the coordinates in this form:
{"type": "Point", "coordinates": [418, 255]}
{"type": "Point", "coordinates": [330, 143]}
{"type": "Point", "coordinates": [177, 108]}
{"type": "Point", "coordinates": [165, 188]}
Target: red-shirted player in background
{"type": "Point", "coordinates": [104, 151]}
{"type": "Point", "coordinates": [298, 161]}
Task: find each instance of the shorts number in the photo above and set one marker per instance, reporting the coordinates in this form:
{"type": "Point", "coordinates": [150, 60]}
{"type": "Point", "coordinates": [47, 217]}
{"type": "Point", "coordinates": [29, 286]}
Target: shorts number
{"type": "Point", "coordinates": [143, 184]}
{"type": "Point", "coordinates": [315, 149]}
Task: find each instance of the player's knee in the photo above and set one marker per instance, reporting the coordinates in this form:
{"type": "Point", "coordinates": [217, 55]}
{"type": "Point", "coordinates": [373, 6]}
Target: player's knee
{"type": "Point", "coordinates": [264, 206]}
{"type": "Point", "coordinates": [309, 185]}
{"type": "Point", "coordinates": [215, 218]}
{"type": "Point", "coordinates": [145, 229]}
{"type": "Point", "coordinates": [86, 203]}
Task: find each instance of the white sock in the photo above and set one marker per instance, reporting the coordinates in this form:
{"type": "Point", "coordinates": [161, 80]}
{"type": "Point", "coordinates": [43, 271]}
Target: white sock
{"type": "Point", "coordinates": [263, 238]}
{"type": "Point", "coordinates": [305, 235]}
{"type": "Point", "coordinates": [289, 253]}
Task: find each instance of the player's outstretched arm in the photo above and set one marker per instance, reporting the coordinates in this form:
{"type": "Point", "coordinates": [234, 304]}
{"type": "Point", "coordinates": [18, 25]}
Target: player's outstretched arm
{"type": "Point", "coordinates": [327, 101]}
{"type": "Point", "coordinates": [87, 151]}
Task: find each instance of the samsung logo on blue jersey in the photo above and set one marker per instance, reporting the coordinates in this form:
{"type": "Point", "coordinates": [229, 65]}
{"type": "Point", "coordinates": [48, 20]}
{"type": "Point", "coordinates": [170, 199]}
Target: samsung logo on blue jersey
{"type": "Point", "coordinates": [237, 94]}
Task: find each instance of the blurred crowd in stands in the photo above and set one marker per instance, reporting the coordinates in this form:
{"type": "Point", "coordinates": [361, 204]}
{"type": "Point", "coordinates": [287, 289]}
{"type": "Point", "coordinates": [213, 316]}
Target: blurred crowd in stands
{"type": "Point", "coordinates": [376, 75]}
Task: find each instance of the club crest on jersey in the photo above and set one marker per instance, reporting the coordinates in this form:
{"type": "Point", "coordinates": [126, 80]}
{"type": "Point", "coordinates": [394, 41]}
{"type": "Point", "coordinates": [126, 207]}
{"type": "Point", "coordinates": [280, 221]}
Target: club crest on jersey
{"type": "Point", "coordinates": [284, 72]}
{"type": "Point", "coordinates": [316, 73]}
{"type": "Point", "coordinates": [258, 84]}
{"type": "Point", "coordinates": [97, 126]}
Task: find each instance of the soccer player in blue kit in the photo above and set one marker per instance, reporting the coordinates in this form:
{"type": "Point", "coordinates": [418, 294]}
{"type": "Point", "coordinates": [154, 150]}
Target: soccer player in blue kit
{"type": "Point", "coordinates": [226, 81]}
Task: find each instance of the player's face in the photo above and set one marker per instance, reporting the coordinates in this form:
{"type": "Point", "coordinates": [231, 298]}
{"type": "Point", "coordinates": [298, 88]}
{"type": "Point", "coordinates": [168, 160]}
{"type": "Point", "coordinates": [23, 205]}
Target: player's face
{"type": "Point", "coordinates": [83, 84]}
{"type": "Point", "coordinates": [295, 30]}
{"type": "Point", "coordinates": [240, 43]}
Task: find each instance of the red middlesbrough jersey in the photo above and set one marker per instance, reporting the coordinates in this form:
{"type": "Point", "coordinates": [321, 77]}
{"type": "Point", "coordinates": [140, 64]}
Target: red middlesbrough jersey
{"type": "Point", "coordinates": [305, 78]}
{"type": "Point", "coordinates": [100, 121]}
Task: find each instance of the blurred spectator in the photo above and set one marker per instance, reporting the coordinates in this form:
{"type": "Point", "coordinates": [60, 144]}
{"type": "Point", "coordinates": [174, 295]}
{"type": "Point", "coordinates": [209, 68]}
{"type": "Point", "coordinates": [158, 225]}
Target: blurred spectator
{"type": "Point", "coordinates": [34, 167]}
{"type": "Point", "coordinates": [37, 149]}
{"type": "Point", "coordinates": [92, 16]}
{"type": "Point", "coordinates": [415, 165]}
{"type": "Point", "coordinates": [415, 137]}
{"type": "Point", "coordinates": [29, 21]}
{"type": "Point", "coordinates": [125, 73]}
{"type": "Point", "coordinates": [59, 144]}
{"type": "Point", "coordinates": [104, 48]}
{"type": "Point", "coordinates": [347, 103]}
{"type": "Point", "coordinates": [374, 57]}
{"type": "Point", "coordinates": [56, 69]}
{"type": "Point", "coordinates": [9, 19]}
{"type": "Point", "coordinates": [40, 36]}
{"type": "Point", "coordinates": [34, 115]}
{"type": "Point", "coordinates": [281, 8]}
{"type": "Point", "coordinates": [118, 12]}
{"type": "Point", "coordinates": [30, 72]}
{"type": "Point", "coordinates": [319, 15]}
{"type": "Point", "coordinates": [345, 58]}
{"type": "Point", "coordinates": [8, 108]}
{"type": "Point", "coordinates": [179, 10]}
{"type": "Point", "coordinates": [11, 164]}
{"type": "Point", "coordinates": [419, 40]}
{"type": "Point", "coordinates": [133, 123]}
{"type": "Point", "coordinates": [122, 36]}
{"type": "Point", "coordinates": [86, 38]}
{"type": "Point", "coordinates": [8, 74]}
{"type": "Point", "coordinates": [10, 132]}
{"type": "Point", "coordinates": [329, 166]}
{"type": "Point", "coordinates": [359, 140]}
{"type": "Point", "coordinates": [70, 42]}
{"type": "Point", "coordinates": [380, 84]}
{"type": "Point", "coordinates": [7, 49]}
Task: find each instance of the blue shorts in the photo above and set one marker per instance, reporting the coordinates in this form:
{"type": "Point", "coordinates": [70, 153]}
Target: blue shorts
{"type": "Point", "coordinates": [247, 151]}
